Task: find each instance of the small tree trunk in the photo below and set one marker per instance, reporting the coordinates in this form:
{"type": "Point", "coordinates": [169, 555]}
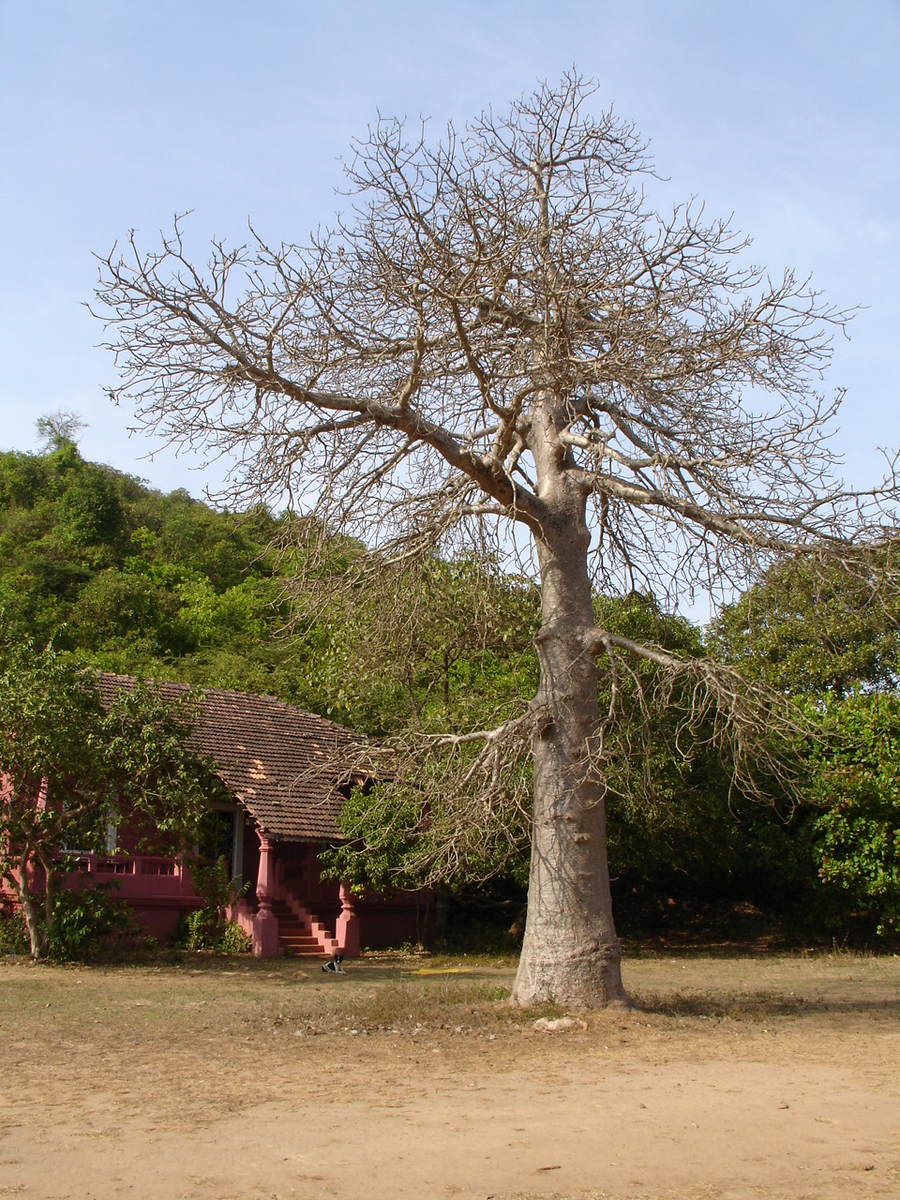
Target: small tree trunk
{"type": "Point", "coordinates": [570, 953]}
{"type": "Point", "coordinates": [37, 933]}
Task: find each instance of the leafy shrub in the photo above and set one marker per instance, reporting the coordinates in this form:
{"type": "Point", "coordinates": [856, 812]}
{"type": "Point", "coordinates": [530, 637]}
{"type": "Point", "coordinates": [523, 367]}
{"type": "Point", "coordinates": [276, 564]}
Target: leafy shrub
{"type": "Point", "coordinates": [191, 932]}
{"type": "Point", "coordinates": [13, 933]}
{"type": "Point", "coordinates": [208, 927]}
{"type": "Point", "coordinates": [234, 940]}
{"type": "Point", "coordinates": [855, 784]}
{"type": "Point", "coordinates": [84, 921]}
{"type": "Point", "coordinates": [196, 932]}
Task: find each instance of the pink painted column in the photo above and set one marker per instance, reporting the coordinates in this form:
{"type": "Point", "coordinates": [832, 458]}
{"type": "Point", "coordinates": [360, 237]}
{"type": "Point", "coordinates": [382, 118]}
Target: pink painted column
{"type": "Point", "coordinates": [347, 930]}
{"type": "Point", "coordinates": [265, 923]}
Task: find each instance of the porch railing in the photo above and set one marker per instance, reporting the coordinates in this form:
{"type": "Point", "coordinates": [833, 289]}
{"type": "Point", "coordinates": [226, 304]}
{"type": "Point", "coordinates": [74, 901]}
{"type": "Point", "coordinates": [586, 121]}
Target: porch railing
{"type": "Point", "coordinates": [137, 875]}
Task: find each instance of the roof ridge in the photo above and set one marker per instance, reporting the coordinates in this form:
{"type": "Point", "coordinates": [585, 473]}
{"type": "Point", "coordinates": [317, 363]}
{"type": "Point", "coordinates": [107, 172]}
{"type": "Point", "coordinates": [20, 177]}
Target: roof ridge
{"type": "Point", "coordinates": [206, 690]}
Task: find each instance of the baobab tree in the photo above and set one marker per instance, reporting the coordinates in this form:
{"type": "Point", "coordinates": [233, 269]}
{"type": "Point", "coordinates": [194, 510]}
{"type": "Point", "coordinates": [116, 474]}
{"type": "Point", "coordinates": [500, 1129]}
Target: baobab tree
{"type": "Point", "coordinates": [502, 335]}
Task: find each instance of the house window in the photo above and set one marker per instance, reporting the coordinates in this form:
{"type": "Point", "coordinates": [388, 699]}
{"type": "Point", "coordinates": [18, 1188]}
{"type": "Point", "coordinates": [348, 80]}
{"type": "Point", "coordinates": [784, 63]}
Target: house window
{"type": "Point", "coordinates": [223, 837]}
{"type": "Point", "coordinates": [110, 842]}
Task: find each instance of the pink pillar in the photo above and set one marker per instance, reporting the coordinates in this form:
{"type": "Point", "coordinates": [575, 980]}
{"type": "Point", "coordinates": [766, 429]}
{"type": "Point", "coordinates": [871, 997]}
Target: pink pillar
{"type": "Point", "coordinates": [265, 923]}
{"type": "Point", "coordinates": [347, 931]}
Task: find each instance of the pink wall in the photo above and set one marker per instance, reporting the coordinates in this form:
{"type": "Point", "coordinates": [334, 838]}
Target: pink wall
{"type": "Point", "coordinates": [159, 890]}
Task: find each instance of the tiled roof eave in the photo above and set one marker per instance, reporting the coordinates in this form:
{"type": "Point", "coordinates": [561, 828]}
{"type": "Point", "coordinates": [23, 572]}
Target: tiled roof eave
{"type": "Point", "coordinates": [308, 839]}
{"type": "Point", "coordinates": [280, 763]}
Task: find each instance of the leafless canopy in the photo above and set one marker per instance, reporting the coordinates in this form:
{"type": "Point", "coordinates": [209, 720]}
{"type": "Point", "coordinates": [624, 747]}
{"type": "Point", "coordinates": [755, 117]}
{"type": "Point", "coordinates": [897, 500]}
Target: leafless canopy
{"type": "Point", "coordinates": [385, 373]}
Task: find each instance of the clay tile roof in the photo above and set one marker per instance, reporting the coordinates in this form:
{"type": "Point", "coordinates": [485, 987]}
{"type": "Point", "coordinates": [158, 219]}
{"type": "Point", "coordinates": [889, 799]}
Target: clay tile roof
{"type": "Point", "coordinates": [277, 760]}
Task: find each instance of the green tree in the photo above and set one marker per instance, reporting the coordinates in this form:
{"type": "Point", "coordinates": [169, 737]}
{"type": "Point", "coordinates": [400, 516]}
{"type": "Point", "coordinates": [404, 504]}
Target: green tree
{"type": "Point", "coordinates": [90, 511]}
{"type": "Point", "coordinates": [854, 790]}
{"type": "Point", "coordinates": [829, 638]}
{"type": "Point", "coordinates": [72, 767]}
{"type": "Point", "coordinates": [808, 628]}
{"type": "Point", "coordinates": [60, 429]}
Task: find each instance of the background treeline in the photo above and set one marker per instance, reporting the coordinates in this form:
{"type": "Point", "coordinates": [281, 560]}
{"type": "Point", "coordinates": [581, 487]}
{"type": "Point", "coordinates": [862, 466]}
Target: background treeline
{"type": "Point", "coordinates": [126, 579]}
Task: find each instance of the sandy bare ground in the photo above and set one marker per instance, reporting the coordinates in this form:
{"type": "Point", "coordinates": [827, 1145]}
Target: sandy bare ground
{"type": "Point", "coordinates": [735, 1078]}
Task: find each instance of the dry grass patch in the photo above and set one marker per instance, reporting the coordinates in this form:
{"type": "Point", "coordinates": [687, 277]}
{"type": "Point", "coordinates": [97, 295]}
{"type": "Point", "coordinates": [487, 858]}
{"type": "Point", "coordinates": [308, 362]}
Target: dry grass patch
{"type": "Point", "coordinates": [394, 1084]}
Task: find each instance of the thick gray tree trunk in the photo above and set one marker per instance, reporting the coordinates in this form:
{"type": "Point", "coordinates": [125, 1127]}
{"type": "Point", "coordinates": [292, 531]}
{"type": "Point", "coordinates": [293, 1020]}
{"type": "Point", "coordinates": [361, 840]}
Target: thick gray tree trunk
{"type": "Point", "coordinates": [570, 954]}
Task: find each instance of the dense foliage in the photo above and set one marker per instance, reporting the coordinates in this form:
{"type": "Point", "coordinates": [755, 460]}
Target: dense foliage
{"type": "Point", "coordinates": [676, 825]}
{"type": "Point", "coordinates": [74, 770]}
{"type": "Point", "coordinates": [85, 919]}
{"type": "Point", "coordinates": [134, 581]}
{"type": "Point", "coordinates": [812, 629]}
{"type": "Point", "coordinates": [853, 832]}
{"type": "Point", "coordinates": [162, 586]}
{"type": "Point", "coordinates": [119, 577]}
{"type": "Point", "coordinates": [831, 642]}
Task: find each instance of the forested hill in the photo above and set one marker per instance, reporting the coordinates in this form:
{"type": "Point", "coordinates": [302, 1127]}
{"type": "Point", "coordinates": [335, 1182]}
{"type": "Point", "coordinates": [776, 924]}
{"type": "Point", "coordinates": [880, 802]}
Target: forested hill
{"type": "Point", "coordinates": [164, 586]}
{"type": "Point", "coordinates": [136, 581]}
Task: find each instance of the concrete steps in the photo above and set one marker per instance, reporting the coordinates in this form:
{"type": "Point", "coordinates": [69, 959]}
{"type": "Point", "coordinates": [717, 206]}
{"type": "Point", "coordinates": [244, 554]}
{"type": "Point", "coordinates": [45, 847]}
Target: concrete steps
{"type": "Point", "coordinates": [294, 937]}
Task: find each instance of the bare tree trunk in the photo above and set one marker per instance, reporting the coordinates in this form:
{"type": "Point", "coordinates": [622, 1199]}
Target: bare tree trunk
{"type": "Point", "coordinates": [37, 935]}
{"type": "Point", "coordinates": [570, 954]}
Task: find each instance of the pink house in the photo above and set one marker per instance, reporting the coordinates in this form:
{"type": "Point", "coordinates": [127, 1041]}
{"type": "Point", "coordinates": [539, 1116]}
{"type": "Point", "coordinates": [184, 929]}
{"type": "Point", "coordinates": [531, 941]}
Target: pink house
{"type": "Point", "coordinates": [283, 798]}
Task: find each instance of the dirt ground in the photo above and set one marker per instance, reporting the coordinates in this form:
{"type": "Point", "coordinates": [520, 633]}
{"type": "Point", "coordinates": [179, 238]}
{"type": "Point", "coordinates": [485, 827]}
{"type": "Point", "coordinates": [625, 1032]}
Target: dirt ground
{"type": "Point", "coordinates": [733, 1078]}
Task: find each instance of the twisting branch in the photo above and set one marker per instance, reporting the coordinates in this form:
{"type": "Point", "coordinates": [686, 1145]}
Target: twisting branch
{"type": "Point", "coordinates": [750, 728]}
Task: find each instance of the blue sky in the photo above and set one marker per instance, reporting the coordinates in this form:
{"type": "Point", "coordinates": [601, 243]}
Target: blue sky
{"type": "Point", "coordinates": [116, 115]}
